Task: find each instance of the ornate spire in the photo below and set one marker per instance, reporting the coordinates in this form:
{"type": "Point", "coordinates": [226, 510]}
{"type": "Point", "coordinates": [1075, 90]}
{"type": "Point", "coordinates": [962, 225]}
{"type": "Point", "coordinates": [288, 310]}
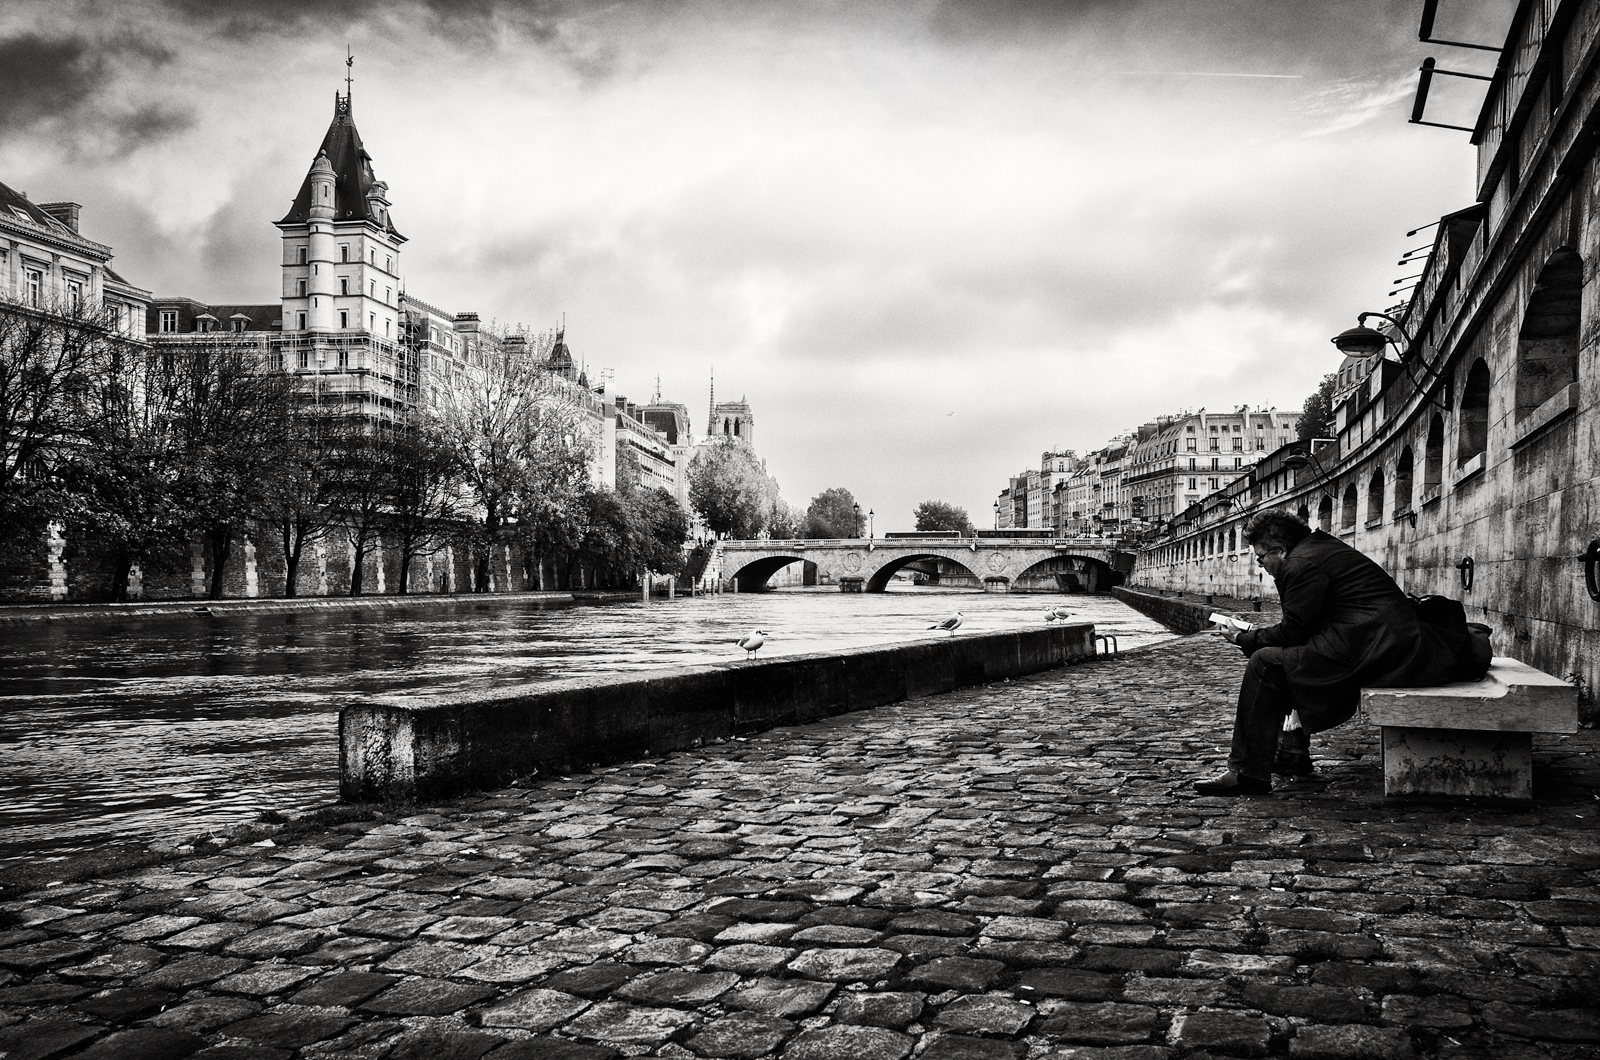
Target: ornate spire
{"type": "Point", "coordinates": [711, 409]}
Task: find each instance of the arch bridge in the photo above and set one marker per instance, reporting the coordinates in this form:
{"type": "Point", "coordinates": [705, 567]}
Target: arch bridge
{"type": "Point", "coordinates": [998, 564]}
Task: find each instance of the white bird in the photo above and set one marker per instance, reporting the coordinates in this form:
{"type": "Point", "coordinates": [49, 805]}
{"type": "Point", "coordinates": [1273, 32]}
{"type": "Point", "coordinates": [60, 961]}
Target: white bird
{"type": "Point", "coordinates": [1055, 614]}
{"type": "Point", "coordinates": [751, 642]}
{"type": "Point", "coordinates": [949, 625]}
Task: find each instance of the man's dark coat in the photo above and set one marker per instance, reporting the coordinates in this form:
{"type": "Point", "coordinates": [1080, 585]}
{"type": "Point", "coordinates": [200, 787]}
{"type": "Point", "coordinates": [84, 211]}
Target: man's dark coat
{"type": "Point", "coordinates": [1346, 625]}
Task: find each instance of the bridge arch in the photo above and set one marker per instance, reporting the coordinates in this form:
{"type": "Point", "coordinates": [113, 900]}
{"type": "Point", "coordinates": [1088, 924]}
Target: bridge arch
{"type": "Point", "coordinates": [753, 576]}
{"type": "Point", "coordinates": [1072, 574]}
{"type": "Point", "coordinates": [878, 580]}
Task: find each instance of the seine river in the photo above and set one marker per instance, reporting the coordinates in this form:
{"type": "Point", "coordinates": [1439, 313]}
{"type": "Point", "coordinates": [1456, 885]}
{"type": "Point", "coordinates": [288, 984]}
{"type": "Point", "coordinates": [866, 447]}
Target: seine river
{"type": "Point", "coordinates": [172, 727]}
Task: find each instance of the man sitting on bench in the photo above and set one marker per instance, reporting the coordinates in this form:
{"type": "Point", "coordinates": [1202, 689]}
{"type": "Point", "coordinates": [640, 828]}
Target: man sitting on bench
{"type": "Point", "coordinates": [1345, 624]}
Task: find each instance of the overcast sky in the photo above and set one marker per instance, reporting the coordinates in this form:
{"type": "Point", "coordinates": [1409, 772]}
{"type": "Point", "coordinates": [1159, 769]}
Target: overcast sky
{"type": "Point", "coordinates": [925, 240]}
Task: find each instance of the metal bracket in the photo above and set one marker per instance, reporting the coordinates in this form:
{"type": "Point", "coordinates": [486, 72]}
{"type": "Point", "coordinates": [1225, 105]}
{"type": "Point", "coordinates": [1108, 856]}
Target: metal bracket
{"type": "Point", "coordinates": [1466, 567]}
{"type": "Point", "coordinates": [1591, 569]}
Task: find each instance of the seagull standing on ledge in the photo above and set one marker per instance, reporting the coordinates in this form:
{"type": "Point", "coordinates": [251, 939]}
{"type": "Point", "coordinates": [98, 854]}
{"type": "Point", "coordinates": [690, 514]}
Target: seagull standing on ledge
{"type": "Point", "coordinates": [949, 625]}
{"type": "Point", "coordinates": [1053, 614]}
{"type": "Point", "coordinates": [751, 642]}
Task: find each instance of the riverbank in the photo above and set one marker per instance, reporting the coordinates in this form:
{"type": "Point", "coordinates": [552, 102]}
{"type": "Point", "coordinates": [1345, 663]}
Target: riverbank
{"type": "Point", "coordinates": [27, 614]}
{"type": "Point", "coordinates": [1008, 871]}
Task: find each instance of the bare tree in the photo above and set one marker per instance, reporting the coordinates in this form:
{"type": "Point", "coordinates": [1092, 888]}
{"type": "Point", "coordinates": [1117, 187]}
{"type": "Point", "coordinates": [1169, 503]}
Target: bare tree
{"type": "Point", "coordinates": [423, 494]}
{"type": "Point", "coordinates": [507, 424]}
{"type": "Point", "coordinates": [295, 498]}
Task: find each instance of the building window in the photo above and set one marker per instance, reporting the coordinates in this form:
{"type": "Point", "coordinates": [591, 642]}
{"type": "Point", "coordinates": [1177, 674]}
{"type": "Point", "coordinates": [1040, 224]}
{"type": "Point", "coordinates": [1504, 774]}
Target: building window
{"type": "Point", "coordinates": [372, 288]}
{"type": "Point", "coordinates": [1238, 462]}
{"type": "Point", "coordinates": [388, 264]}
{"type": "Point", "coordinates": [1347, 519]}
{"type": "Point", "coordinates": [300, 321]}
{"type": "Point", "coordinates": [169, 321]}
{"type": "Point", "coordinates": [344, 252]}
{"type": "Point", "coordinates": [1473, 428]}
{"type": "Point", "coordinates": [1325, 514]}
{"type": "Point", "coordinates": [1433, 454]}
{"type": "Point", "coordinates": [1547, 345]}
{"type": "Point", "coordinates": [344, 285]}
{"type": "Point", "coordinates": [372, 322]}
{"type": "Point", "coordinates": [305, 359]}
{"type": "Point", "coordinates": [344, 318]}
{"type": "Point", "coordinates": [1215, 484]}
{"type": "Point", "coordinates": [1261, 444]}
{"type": "Point", "coordinates": [1192, 463]}
{"type": "Point", "coordinates": [300, 255]}
{"type": "Point", "coordinates": [1215, 445]}
{"type": "Point", "coordinates": [1191, 445]}
{"type": "Point", "coordinates": [1214, 463]}
{"type": "Point", "coordinates": [75, 295]}
{"type": "Point", "coordinates": [387, 327]}
{"type": "Point", "coordinates": [35, 283]}
{"type": "Point", "coordinates": [344, 358]}
{"type": "Point", "coordinates": [1375, 499]}
{"type": "Point", "coordinates": [388, 296]}
{"type": "Point", "coordinates": [1402, 482]}
{"type": "Point", "coordinates": [1238, 444]}
{"type": "Point", "coordinates": [300, 288]}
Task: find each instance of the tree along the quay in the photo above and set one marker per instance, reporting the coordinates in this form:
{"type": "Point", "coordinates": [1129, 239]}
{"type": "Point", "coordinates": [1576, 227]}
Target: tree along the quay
{"type": "Point", "coordinates": [295, 498]}
{"type": "Point", "coordinates": [731, 489]}
{"type": "Point", "coordinates": [834, 513]}
{"type": "Point", "coordinates": [1316, 416]}
{"type": "Point", "coordinates": [938, 515]}
{"type": "Point", "coordinates": [423, 496]}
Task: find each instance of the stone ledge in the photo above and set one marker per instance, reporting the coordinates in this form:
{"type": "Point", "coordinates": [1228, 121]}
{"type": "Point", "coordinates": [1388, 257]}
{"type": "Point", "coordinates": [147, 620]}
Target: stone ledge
{"type": "Point", "coordinates": [424, 747]}
{"type": "Point", "coordinates": [1512, 697]}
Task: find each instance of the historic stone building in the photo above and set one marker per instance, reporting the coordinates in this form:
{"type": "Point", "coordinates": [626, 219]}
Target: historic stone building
{"type": "Point", "coordinates": [47, 265]}
{"type": "Point", "coordinates": [1468, 458]}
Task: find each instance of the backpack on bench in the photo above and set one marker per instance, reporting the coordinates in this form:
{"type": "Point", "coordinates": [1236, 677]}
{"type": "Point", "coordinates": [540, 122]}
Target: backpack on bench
{"type": "Point", "coordinates": [1468, 641]}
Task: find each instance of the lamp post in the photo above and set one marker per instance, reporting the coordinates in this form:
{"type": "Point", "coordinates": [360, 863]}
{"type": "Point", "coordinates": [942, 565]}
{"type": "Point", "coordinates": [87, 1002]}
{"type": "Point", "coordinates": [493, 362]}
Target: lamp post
{"type": "Point", "coordinates": [870, 533]}
{"type": "Point", "coordinates": [997, 515]}
{"type": "Point", "coordinates": [855, 527]}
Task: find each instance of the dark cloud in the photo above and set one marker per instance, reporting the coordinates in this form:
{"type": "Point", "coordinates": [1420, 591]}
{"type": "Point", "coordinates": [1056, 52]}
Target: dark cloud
{"type": "Point", "coordinates": [41, 77]}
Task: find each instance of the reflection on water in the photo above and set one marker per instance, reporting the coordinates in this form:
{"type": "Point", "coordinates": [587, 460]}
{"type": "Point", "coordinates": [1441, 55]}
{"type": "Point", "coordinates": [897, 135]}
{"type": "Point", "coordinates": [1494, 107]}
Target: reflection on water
{"type": "Point", "coordinates": [172, 727]}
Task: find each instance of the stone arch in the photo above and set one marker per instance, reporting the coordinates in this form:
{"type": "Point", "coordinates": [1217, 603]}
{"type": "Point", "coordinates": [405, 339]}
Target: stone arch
{"type": "Point", "coordinates": [1547, 345]}
{"type": "Point", "coordinates": [1403, 474]}
{"type": "Point", "coordinates": [1375, 497]}
{"type": "Point", "coordinates": [1074, 574]}
{"type": "Point", "coordinates": [1472, 430]}
{"type": "Point", "coordinates": [752, 577]}
{"type": "Point", "coordinates": [1433, 454]}
{"type": "Point", "coordinates": [878, 580]}
{"type": "Point", "coordinates": [1347, 516]}
{"type": "Point", "coordinates": [1325, 514]}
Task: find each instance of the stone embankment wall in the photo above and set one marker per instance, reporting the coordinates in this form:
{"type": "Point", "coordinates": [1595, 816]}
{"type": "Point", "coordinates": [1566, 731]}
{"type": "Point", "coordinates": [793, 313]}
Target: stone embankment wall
{"type": "Point", "coordinates": [1192, 616]}
{"type": "Point", "coordinates": [49, 567]}
{"type": "Point", "coordinates": [434, 747]}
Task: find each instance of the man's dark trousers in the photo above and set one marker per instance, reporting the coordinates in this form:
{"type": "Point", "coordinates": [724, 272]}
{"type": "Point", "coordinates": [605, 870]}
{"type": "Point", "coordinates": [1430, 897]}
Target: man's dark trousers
{"type": "Point", "coordinates": [1263, 704]}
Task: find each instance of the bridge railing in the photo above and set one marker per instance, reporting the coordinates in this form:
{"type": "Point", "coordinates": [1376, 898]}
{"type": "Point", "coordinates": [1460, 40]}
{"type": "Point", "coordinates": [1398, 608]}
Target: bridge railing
{"type": "Point", "coordinates": [989, 537]}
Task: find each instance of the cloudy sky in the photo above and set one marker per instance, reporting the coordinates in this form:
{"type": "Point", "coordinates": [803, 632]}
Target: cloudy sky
{"type": "Point", "coordinates": [926, 240]}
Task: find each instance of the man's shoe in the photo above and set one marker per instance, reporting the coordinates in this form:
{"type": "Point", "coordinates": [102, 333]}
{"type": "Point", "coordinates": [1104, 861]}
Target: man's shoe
{"type": "Point", "coordinates": [1293, 764]}
{"type": "Point", "coordinates": [1231, 783]}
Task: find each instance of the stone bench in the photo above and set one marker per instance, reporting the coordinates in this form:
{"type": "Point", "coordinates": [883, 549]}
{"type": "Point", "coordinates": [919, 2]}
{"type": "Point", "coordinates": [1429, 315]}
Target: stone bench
{"type": "Point", "coordinates": [1472, 737]}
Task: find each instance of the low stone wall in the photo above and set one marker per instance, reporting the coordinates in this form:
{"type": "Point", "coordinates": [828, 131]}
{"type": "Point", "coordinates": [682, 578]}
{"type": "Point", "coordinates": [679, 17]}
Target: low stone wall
{"type": "Point", "coordinates": [426, 747]}
{"type": "Point", "coordinates": [1192, 616]}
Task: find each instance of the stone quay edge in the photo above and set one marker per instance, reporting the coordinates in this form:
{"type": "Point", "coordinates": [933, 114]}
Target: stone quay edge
{"type": "Point", "coordinates": [428, 747]}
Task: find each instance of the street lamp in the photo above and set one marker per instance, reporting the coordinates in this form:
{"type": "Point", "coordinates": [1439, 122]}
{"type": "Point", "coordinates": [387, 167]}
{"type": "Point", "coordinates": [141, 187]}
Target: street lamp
{"type": "Point", "coordinates": [870, 533]}
{"type": "Point", "coordinates": [855, 527]}
{"type": "Point", "coordinates": [997, 515]}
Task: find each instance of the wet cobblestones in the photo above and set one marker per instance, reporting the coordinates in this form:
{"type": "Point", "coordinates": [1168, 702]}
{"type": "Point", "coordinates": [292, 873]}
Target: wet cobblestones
{"type": "Point", "coordinates": [1018, 871]}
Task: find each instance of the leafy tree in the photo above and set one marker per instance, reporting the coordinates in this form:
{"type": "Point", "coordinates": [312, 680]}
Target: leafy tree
{"type": "Point", "coordinates": [730, 489]}
{"type": "Point", "coordinates": [833, 513]}
{"type": "Point", "coordinates": [785, 522]}
{"type": "Point", "coordinates": [1316, 418]}
{"type": "Point", "coordinates": [937, 515]}
{"type": "Point", "coordinates": [662, 527]}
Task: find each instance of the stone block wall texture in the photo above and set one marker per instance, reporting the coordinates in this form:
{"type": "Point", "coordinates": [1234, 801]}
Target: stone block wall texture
{"type": "Point", "coordinates": [425, 747]}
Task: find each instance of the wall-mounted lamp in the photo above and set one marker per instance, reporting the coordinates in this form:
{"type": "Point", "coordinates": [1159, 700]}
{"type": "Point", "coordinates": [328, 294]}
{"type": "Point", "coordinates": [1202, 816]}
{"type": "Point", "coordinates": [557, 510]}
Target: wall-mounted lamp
{"type": "Point", "coordinates": [1591, 569]}
{"type": "Point", "coordinates": [1411, 517]}
{"type": "Point", "coordinates": [1465, 568]}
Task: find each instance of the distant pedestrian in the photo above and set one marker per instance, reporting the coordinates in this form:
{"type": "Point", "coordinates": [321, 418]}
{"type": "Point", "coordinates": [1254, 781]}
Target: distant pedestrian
{"type": "Point", "coordinates": [1346, 624]}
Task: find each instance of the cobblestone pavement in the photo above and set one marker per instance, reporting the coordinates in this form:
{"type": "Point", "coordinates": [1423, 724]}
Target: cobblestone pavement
{"type": "Point", "coordinates": [1013, 871]}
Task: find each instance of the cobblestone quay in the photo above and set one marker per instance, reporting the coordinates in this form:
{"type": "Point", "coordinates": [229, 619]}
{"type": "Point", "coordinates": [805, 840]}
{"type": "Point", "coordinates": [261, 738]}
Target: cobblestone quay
{"type": "Point", "coordinates": [1012, 871]}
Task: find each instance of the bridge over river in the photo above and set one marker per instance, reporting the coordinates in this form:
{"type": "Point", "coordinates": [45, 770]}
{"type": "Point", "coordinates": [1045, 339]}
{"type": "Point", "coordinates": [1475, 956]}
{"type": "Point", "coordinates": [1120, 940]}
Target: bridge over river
{"type": "Point", "coordinates": [998, 561]}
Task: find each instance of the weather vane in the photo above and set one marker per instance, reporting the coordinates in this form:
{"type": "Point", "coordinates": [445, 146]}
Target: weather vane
{"type": "Point", "coordinates": [349, 70]}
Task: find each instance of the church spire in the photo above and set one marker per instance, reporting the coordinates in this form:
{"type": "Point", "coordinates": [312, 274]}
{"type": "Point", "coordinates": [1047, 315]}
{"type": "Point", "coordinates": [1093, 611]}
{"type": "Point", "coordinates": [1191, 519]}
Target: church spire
{"type": "Point", "coordinates": [711, 408]}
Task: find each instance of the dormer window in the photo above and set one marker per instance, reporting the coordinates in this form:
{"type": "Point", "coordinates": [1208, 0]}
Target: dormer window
{"type": "Point", "coordinates": [169, 321]}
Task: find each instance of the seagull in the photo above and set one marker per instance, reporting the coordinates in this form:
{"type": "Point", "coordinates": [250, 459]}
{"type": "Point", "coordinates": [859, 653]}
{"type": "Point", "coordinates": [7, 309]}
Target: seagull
{"type": "Point", "coordinates": [751, 642]}
{"type": "Point", "coordinates": [1053, 614]}
{"type": "Point", "coordinates": [949, 625]}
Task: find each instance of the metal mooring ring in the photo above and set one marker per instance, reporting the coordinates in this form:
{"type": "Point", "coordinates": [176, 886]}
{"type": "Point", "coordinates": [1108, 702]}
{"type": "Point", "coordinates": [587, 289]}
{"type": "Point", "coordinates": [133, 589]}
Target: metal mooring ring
{"type": "Point", "coordinates": [1591, 569]}
{"type": "Point", "coordinates": [1465, 567]}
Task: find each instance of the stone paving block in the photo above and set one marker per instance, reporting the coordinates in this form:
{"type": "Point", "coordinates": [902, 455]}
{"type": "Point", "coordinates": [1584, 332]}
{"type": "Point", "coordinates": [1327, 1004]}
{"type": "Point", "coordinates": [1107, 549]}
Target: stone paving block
{"type": "Point", "coordinates": [290, 1027]}
{"type": "Point", "coordinates": [264, 980]}
{"type": "Point", "coordinates": [205, 1014]}
{"type": "Point", "coordinates": [426, 997]}
{"type": "Point", "coordinates": [144, 1043]}
{"type": "Point", "coordinates": [756, 932]}
{"type": "Point", "coordinates": [1224, 1032]}
{"type": "Point", "coordinates": [961, 1047]}
{"type": "Point", "coordinates": [985, 1014]}
{"type": "Point", "coordinates": [35, 956]}
{"type": "Point", "coordinates": [848, 1043]}
{"type": "Point", "coordinates": [1325, 1004]}
{"type": "Point", "coordinates": [922, 948]}
{"type": "Point", "coordinates": [513, 968]}
{"type": "Point", "coordinates": [1026, 954]}
{"type": "Point", "coordinates": [846, 964]}
{"type": "Point", "coordinates": [122, 962]}
{"type": "Point", "coordinates": [547, 1048]}
{"type": "Point", "coordinates": [1173, 993]}
{"type": "Point", "coordinates": [893, 1009]}
{"type": "Point", "coordinates": [750, 959]}
{"type": "Point", "coordinates": [1350, 1042]}
{"type": "Point", "coordinates": [836, 935]}
{"type": "Point", "coordinates": [1567, 1025]}
{"type": "Point", "coordinates": [45, 1039]}
{"type": "Point", "coordinates": [1072, 984]}
{"type": "Point", "coordinates": [439, 1044]}
{"type": "Point", "coordinates": [678, 988]}
{"type": "Point", "coordinates": [593, 980]}
{"type": "Point", "coordinates": [343, 989]}
{"type": "Point", "coordinates": [956, 973]}
{"type": "Point", "coordinates": [126, 1004]}
{"type": "Point", "coordinates": [742, 1036]}
{"type": "Point", "coordinates": [1108, 1023]}
{"type": "Point", "coordinates": [533, 1010]}
{"type": "Point", "coordinates": [623, 1024]}
{"type": "Point", "coordinates": [429, 960]}
{"type": "Point", "coordinates": [789, 998]}
{"type": "Point", "coordinates": [700, 927]}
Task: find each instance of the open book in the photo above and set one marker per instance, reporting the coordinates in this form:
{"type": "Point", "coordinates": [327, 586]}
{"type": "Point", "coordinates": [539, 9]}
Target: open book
{"type": "Point", "coordinates": [1221, 621]}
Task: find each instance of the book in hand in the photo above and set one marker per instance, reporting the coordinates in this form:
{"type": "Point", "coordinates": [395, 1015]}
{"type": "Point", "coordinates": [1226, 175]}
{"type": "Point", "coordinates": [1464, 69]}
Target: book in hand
{"type": "Point", "coordinates": [1222, 622]}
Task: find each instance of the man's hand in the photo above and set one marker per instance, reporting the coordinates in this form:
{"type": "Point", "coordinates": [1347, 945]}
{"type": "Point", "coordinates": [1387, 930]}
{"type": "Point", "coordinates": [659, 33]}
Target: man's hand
{"type": "Point", "coordinates": [1231, 634]}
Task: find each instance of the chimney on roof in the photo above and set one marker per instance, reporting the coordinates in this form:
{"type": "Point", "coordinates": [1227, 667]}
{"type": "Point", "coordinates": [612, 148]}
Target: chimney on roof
{"type": "Point", "coordinates": [65, 212]}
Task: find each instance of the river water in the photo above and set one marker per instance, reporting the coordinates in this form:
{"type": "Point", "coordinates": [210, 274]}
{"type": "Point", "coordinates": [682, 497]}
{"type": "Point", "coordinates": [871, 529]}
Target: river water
{"type": "Point", "coordinates": [177, 726]}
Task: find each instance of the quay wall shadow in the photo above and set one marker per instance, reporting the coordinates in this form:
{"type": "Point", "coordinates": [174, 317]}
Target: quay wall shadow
{"type": "Point", "coordinates": [430, 747]}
